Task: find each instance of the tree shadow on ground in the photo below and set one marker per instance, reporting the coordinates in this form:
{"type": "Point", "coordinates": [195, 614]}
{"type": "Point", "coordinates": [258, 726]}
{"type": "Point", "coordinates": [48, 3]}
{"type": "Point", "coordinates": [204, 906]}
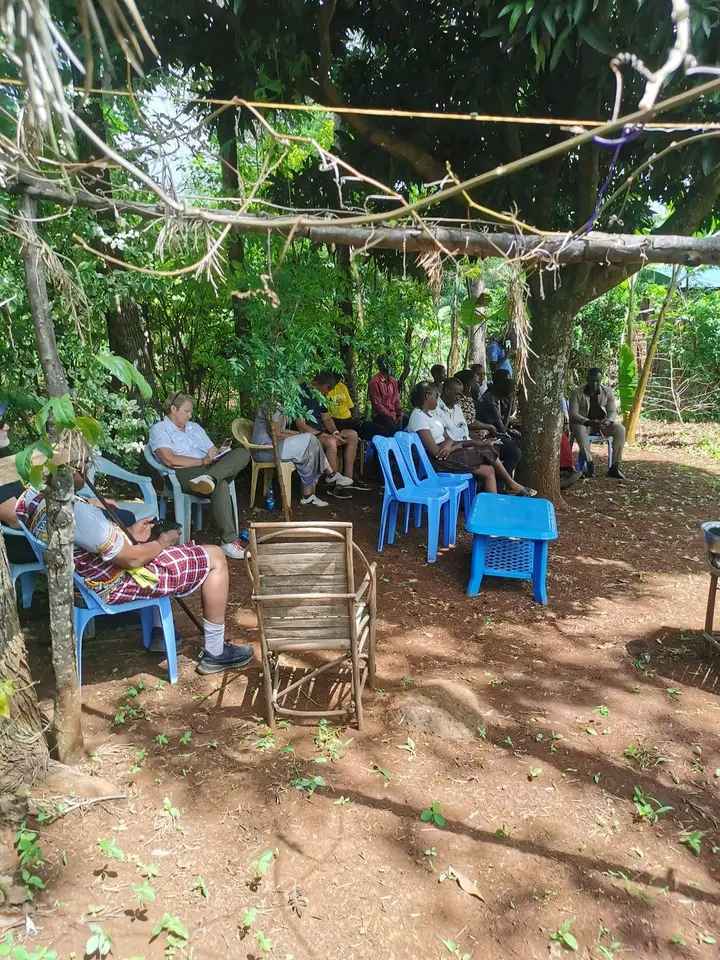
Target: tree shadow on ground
{"type": "Point", "coordinates": [531, 679]}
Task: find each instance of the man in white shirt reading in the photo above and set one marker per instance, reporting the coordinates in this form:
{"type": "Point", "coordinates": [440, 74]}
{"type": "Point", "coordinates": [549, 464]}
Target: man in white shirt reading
{"type": "Point", "coordinates": [201, 467]}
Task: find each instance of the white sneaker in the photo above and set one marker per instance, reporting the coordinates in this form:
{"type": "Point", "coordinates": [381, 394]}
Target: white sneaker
{"type": "Point", "coordinates": [203, 485]}
{"type": "Point", "coordinates": [340, 480]}
{"type": "Point", "coordinates": [234, 549]}
{"type": "Point", "coordinates": [315, 501]}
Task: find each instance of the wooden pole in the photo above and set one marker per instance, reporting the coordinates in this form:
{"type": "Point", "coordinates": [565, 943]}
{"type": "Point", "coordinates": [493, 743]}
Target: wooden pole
{"type": "Point", "coordinates": [636, 409]}
{"type": "Point", "coordinates": [59, 493]}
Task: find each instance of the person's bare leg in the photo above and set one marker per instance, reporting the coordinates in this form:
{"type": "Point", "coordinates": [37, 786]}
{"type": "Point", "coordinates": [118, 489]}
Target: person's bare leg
{"type": "Point", "coordinates": [349, 451]}
{"type": "Point", "coordinates": [329, 445]}
{"type": "Point", "coordinates": [215, 588]}
{"type": "Point", "coordinates": [488, 476]}
{"type": "Point", "coordinates": [512, 485]}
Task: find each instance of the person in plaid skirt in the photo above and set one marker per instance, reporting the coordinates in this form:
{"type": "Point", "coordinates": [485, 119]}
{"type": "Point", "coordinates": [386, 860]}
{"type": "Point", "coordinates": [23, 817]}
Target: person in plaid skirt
{"type": "Point", "coordinates": [119, 570]}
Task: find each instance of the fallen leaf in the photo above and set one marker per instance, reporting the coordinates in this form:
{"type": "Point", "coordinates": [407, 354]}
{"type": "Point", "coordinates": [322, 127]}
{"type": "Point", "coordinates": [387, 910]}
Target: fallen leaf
{"type": "Point", "coordinates": [466, 884]}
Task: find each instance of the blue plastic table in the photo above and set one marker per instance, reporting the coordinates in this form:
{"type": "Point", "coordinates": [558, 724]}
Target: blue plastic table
{"type": "Point", "coordinates": [510, 539]}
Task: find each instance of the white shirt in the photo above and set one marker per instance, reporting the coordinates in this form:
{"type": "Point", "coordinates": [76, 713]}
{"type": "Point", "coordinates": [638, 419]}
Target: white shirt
{"type": "Point", "coordinates": [95, 533]}
{"type": "Point", "coordinates": [419, 420]}
{"type": "Point", "coordinates": [453, 420]}
{"type": "Point", "coordinates": [190, 442]}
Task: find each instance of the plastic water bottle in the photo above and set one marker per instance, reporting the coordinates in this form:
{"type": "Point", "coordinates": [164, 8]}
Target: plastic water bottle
{"type": "Point", "coordinates": [270, 498]}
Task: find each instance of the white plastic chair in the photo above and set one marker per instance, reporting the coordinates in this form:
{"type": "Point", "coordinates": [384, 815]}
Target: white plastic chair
{"type": "Point", "coordinates": [596, 438]}
{"type": "Point", "coordinates": [183, 503]}
{"type": "Point", "coordinates": [147, 507]}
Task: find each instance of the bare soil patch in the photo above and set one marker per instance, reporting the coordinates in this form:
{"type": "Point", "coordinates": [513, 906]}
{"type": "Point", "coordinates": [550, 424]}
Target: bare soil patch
{"type": "Point", "coordinates": [531, 729]}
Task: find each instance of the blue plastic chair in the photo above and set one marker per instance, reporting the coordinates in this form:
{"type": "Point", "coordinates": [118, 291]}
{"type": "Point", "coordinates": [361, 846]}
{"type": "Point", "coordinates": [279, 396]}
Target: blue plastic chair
{"type": "Point", "coordinates": [183, 503]}
{"type": "Point", "coordinates": [459, 485]}
{"type": "Point", "coordinates": [426, 493]}
{"type": "Point", "coordinates": [146, 507]}
{"type": "Point", "coordinates": [96, 607]}
{"type": "Point", "coordinates": [23, 574]}
{"type": "Point", "coordinates": [510, 539]}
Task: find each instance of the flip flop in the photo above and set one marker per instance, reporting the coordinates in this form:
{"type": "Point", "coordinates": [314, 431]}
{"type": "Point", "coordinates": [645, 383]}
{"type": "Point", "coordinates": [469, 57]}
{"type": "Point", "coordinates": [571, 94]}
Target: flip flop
{"type": "Point", "coordinates": [525, 492]}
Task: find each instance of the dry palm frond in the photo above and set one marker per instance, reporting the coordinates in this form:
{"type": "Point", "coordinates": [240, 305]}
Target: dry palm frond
{"type": "Point", "coordinates": [69, 289]}
{"type": "Point", "coordinates": [34, 43]}
{"type": "Point", "coordinates": [431, 263]}
{"type": "Point", "coordinates": [520, 324]}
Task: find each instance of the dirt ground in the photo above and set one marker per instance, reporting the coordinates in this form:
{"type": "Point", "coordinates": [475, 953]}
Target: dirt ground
{"type": "Point", "coordinates": [530, 728]}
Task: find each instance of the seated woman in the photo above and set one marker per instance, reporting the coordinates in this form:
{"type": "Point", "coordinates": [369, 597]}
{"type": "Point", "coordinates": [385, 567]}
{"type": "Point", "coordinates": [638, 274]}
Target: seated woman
{"type": "Point", "coordinates": [302, 449]}
{"type": "Point", "coordinates": [457, 456]}
{"type": "Point", "coordinates": [181, 444]}
{"type": "Point", "coordinates": [478, 430]}
{"type": "Point", "coordinates": [120, 571]}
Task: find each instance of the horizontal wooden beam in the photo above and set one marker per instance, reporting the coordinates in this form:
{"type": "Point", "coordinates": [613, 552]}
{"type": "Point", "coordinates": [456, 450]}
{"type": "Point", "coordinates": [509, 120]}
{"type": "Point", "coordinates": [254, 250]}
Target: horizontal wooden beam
{"type": "Point", "coordinates": [560, 248]}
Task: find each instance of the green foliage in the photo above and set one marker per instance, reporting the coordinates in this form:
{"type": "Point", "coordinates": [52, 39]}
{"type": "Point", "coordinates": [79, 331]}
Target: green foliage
{"type": "Point", "coordinates": [99, 943]}
{"type": "Point", "coordinates": [125, 372]}
{"type": "Point", "coordinates": [564, 936]}
{"type": "Point", "coordinates": [329, 741]}
{"type": "Point", "coordinates": [647, 807]}
{"type": "Point", "coordinates": [176, 933]}
{"type": "Point", "coordinates": [263, 863]}
{"type": "Point", "coordinates": [31, 859]}
{"type": "Point", "coordinates": [627, 378]}
{"type": "Point", "coordinates": [308, 784]}
{"type": "Point", "coordinates": [109, 848]}
{"type": "Point", "coordinates": [692, 839]}
{"type": "Point", "coordinates": [433, 814]}
{"type": "Point", "coordinates": [7, 688]}
{"type": "Point", "coordinates": [17, 951]}
{"type": "Point", "coordinates": [145, 893]}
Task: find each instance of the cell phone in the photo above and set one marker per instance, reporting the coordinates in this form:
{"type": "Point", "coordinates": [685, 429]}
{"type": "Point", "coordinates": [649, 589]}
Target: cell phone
{"type": "Point", "coordinates": [163, 526]}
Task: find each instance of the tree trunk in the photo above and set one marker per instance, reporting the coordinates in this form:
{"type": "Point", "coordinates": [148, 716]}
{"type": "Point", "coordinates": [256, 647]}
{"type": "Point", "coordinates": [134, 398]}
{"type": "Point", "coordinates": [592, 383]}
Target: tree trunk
{"type": "Point", "coordinates": [60, 564]}
{"type": "Point", "coordinates": [634, 415]}
{"type": "Point", "coordinates": [23, 750]}
{"type": "Point", "coordinates": [61, 521]}
{"type": "Point", "coordinates": [127, 337]}
{"type": "Point", "coordinates": [453, 360]}
{"type": "Point", "coordinates": [347, 318]}
{"type": "Point", "coordinates": [407, 354]}
{"type": "Point", "coordinates": [552, 321]}
{"type": "Point", "coordinates": [228, 140]}
{"type": "Point", "coordinates": [476, 334]}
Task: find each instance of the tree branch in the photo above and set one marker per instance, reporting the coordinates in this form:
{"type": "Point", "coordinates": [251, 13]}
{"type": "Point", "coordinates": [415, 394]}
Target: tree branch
{"type": "Point", "coordinates": [629, 251]}
{"type": "Point", "coordinates": [424, 163]}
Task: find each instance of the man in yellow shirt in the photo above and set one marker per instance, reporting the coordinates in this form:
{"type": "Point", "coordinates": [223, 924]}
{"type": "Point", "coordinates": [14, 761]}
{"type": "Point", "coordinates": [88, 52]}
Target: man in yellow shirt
{"type": "Point", "coordinates": [339, 402]}
{"type": "Point", "coordinates": [343, 410]}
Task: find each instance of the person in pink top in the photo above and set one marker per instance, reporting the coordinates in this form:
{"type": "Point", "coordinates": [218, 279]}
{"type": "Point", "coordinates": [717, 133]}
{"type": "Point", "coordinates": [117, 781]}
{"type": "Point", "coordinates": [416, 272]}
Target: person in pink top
{"type": "Point", "coordinates": [384, 393]}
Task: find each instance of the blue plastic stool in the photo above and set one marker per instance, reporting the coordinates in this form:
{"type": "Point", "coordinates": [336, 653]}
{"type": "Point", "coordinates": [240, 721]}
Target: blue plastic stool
{"type": "Point", "coordinates": [459, 485]}
{"type": "Point", "coordinates": [436, 499]}
{"type": "Point", "coordinates": [510, 539]}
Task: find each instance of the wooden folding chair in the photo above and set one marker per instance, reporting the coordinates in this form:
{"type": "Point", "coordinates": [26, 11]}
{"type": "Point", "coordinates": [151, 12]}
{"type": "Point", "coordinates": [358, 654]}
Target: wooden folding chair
{"type": "Point", "coordinates": [305, 595]}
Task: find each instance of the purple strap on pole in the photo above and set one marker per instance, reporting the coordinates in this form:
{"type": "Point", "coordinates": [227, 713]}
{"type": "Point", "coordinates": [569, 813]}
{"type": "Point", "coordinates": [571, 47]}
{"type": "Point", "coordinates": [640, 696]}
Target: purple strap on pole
{"type": "Point", "coordinates": [628, 135]}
